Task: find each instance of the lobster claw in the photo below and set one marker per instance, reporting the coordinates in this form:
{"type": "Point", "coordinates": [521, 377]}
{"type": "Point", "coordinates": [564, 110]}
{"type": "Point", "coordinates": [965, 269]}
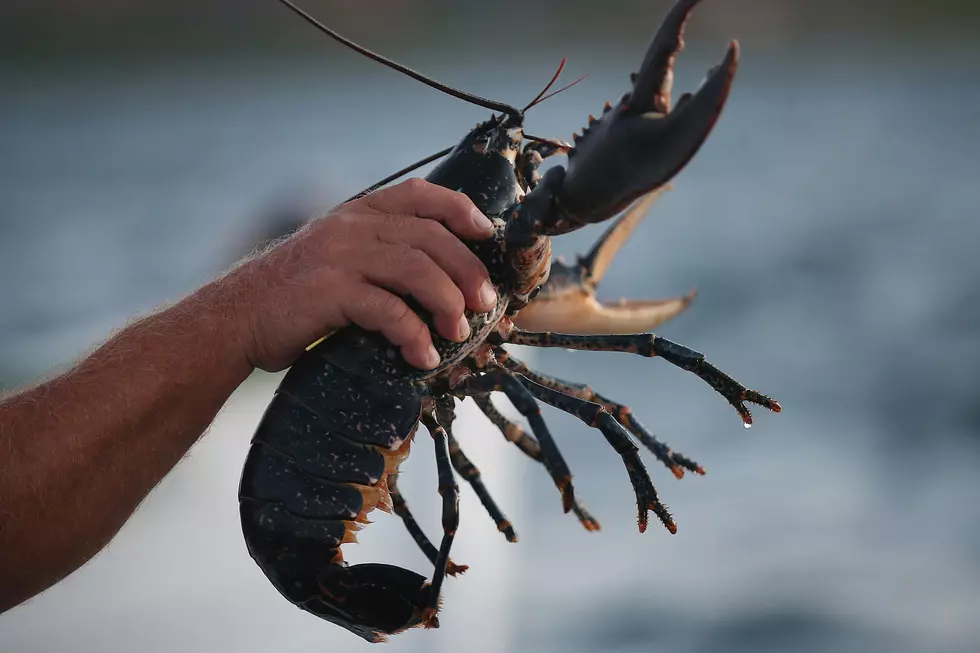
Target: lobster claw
{"type": "Point", "coordinates": [567, 302]}
{"type": "Point", "coordinates": [640, 144]}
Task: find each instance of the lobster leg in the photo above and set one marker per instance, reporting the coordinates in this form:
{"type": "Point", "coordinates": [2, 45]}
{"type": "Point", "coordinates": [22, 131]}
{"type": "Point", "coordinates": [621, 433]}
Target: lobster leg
{"type": "Point", "coordinates": [650, 345]}
{"type": "Point", "coordinates": [598, 417]}
{"type": "Point", "coordinates": [446, 414]}
{"type": "Point", "coordinates": [676, 462]}
{"type": "Point", "coordinates": [450, 515]}
{"type": "Point", "coordinates": [501, 380]}
{"type": "Point", "coordinates": [511, 431]}
{"type": "Point", "coordinates": [514, 433]}
{"type": "Point", "coordinates": [465, 468]}
{"type": "Point", "coordinates": [400, 507]}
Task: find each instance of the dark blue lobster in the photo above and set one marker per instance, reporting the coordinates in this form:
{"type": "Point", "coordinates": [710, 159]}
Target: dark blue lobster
{"type": "Point", "coordinates": [327, 450]}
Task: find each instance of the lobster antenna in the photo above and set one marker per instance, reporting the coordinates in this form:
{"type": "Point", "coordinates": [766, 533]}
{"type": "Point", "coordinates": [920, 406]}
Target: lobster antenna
{"type": "Point", "coordinates": [404, 171]}
{"type": "Point", "coordinates": [564, 88]}
{"type": "Point", "coordinates": [428, 81]}
{"type": "Point", "coordinates": [554, 78]}
{"type": "Point", "coordinates": [547, 141]}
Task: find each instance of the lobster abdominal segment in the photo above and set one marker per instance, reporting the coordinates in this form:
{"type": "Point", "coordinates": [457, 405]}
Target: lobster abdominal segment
{"type": "Point", "coordinates": [311, 480]}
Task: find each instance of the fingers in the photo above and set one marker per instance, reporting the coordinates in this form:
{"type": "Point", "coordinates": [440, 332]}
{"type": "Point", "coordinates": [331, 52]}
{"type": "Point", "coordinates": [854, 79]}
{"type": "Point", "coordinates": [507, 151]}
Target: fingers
{"type": "Point", "coordinates": [408, 271]}
{"type": "Point", "coordinates": [376, 309]}
{"type": "Point", "coordinates": [403, 241]}
{"type": "Point", "coordinates": [464, 268]}
{"type": "Point", "coordinates": [455, 210]}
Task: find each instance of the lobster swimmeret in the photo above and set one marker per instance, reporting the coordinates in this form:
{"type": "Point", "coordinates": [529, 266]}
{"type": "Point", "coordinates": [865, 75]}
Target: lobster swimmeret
{"type": "Point", "coordinates": [327, 450]}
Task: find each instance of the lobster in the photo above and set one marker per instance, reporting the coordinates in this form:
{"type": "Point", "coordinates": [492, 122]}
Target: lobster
{"type": "Point", "coordinates": [328, 447]}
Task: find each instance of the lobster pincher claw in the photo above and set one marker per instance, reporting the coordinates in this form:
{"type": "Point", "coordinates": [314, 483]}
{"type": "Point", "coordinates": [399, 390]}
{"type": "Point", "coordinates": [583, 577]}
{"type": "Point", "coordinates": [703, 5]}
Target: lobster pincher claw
{"type": "Point", "coordinates": [640, 143]}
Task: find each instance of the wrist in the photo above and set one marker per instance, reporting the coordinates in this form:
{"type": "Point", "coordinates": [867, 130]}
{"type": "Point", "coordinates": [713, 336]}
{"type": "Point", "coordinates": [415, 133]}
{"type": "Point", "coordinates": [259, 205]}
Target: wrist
{"type": "Point", "coordinates": [221, 324]}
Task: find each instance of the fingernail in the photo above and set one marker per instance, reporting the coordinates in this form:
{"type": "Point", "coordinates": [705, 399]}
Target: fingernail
{"type": "Point", "coordinates": [464, 328]}
{"type": "Point", "coordinates": [487, 294]}
{"type": "Point", "coordinates": [481, 221]}
{"type": "Point", "coordinates": [431, 357]}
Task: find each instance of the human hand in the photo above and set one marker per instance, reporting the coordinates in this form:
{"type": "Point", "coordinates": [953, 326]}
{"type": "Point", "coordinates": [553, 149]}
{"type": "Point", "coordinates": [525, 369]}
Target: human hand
{"type": "Point", "coordinates": [349, 266]}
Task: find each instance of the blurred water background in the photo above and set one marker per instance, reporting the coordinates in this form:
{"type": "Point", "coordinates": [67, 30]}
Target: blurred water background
{"type": "Point", "coordinates": [830, 225]}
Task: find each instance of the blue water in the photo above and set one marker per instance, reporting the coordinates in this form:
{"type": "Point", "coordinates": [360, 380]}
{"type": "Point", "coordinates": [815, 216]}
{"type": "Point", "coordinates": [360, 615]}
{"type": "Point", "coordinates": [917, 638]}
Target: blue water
{"type": "Point", "coordinates": [830, 225]}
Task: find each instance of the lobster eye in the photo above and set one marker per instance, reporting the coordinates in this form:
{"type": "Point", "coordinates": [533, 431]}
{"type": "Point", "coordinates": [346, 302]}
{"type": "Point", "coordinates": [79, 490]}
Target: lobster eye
{"type": "Point", "coordinates": [534, 293]}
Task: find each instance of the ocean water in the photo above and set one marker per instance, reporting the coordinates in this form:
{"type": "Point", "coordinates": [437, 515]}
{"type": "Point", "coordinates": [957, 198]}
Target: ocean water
{"type": "Point", "coordinates": [830, 225]}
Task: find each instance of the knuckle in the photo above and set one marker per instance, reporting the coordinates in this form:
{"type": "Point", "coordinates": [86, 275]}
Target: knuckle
{"type": "Point", "coordinates": [471, 272]}
{"type": "Point", "coordinates": [416, 332]}
{"type": "Point", "coordinates": [394, 224]}
{"type": "Point", "coordinates": [472, 286]}
{"type": "Point", "coordinates": [454, 303]}
{"type": "Point", "coordinates": [463, 204]}
{"type": "Point", "coordinates": [393, 257]}
{"type": "Point", "coordinates": [431, 230]}
{"type": "Point", "coordinates": [462, 200]}
{"type": "Point", "coordinates": [459, 221]}
{"type": "Point", "coordinates": [342, 222]}
{"type": "Point", "coordinates": [415, 184]}
{"type": "Point", "coordinates": [394, 309]}
{"type": "Point", "coordinates": [417, 262]}
{"type": "Point", "coordinates": [369, 201]}
{"type": "Point", "coordinates": [387, 226]}
{"type": "Point", "coordinates": [449, 304]}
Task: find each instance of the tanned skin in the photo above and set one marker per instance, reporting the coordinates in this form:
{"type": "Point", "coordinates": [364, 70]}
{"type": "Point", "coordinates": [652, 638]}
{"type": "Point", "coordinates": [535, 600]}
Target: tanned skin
{"type": "Point", "coordinates": [79, 452]}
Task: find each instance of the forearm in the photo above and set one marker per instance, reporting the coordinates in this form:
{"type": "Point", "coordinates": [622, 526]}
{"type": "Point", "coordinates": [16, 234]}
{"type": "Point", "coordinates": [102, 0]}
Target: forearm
{"type": "Point", "coordinates": [80, 452]}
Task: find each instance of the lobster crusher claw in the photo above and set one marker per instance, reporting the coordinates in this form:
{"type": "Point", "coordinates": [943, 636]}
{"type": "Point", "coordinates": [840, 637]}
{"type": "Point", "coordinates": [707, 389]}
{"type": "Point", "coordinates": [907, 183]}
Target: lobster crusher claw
{"type": "Point", "coordinates": [640, 143]}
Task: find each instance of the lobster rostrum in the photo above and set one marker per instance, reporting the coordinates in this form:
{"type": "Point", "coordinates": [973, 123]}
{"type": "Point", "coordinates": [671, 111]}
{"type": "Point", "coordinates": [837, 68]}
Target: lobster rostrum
{"type": "Point", "coordinates": [327, 450]}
